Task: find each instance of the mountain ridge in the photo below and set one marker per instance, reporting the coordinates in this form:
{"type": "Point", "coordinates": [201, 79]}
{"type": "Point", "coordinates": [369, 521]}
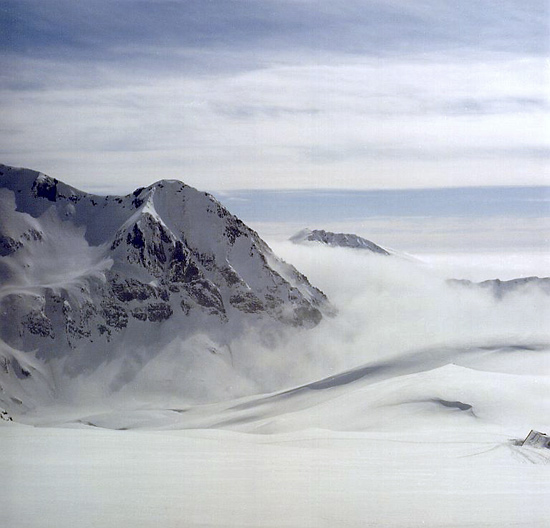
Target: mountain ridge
{"type": "Point", "coordinates": [93, 280]}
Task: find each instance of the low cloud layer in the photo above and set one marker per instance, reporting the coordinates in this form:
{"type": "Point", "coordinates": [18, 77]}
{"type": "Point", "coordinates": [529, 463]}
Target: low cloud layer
{"type": "Point", "coordinates": [391, 309]}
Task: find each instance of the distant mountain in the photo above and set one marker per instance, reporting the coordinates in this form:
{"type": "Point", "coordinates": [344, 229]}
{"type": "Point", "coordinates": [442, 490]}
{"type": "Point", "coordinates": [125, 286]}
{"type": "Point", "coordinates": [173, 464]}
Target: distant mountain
{"type": "Point", "coordinates": [337, 240]}
{"type": "Point", "coordinates": [101, 287]}
{"type": "Point", "coordinates": [500, 288]}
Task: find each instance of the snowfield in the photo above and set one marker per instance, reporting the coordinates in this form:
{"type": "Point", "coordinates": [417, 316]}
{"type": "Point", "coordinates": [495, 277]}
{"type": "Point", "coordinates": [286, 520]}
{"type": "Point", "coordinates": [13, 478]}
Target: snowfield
{"type": "Point", "coordinates": [88, 478]}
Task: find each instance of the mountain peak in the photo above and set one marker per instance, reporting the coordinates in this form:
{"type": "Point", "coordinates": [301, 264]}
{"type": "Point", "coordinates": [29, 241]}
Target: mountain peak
{"type": "Point", "coordinates": [83, 276]}
{"type": "Point", "coordinates": [337, 240]}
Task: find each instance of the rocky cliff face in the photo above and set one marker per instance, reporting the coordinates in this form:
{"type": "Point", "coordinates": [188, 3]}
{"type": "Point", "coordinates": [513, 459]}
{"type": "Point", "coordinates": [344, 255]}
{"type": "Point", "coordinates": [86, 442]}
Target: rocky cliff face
{"type": "Point", "coordinates": [87, 280]}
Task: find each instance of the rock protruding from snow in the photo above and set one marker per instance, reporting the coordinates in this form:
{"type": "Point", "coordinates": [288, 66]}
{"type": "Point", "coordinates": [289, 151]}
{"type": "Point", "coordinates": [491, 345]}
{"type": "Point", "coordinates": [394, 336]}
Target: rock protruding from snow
{"type": "Point", "coordinates": [337, 240]}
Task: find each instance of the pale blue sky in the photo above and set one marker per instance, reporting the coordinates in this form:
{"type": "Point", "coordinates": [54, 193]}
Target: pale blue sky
{"type": "Point", "coordinates": [507, 220]}
{"type": "Point", "coordinates": [325, 205]}
{"type": "Point", "coordinates": [288, 94]}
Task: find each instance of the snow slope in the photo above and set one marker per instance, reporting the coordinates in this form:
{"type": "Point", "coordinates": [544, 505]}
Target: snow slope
{"type": "Point", "coordinates": [480, 388]}
{"type": "Point", "coordinates": [500, 288]}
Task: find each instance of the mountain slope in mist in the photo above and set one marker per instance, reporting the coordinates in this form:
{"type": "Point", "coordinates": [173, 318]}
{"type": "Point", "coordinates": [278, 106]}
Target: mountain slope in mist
{"type": "Point", "coordinates": [490, 388]}
{"type": "Point", "coordinates": [407, 347]}
{"type": "Point", "coordinates": [499, 288]}
{"type": "Point", "coordinates": [134, 311]}
{"type": "Point", "coordinates": [97, 287]}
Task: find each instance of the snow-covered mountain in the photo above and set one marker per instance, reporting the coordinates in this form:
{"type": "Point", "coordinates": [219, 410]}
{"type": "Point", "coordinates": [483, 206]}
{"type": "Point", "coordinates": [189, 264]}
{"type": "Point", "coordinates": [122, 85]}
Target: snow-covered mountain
{"type": "Point", "coordinates": [105, 288]}
{"type": "Point", "coordinates": [337, 240]}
